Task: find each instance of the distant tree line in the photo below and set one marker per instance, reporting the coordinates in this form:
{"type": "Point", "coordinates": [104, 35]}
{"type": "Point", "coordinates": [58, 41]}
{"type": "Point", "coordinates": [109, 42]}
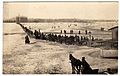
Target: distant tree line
{"type": "Point", "coordinates": [25, 19]}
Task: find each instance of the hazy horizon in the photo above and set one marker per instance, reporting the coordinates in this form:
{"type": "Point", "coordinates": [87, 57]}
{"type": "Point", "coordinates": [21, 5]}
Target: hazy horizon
{"type": "Point", "coordinates": [62, 10]}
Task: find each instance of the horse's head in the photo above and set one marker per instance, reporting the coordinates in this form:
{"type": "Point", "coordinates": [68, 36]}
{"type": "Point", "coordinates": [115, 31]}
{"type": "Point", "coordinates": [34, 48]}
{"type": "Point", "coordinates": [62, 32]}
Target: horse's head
{"type": "Point", "coordinates": [83, 58]}
{"type": "Point", "coordinates": [70, 56]}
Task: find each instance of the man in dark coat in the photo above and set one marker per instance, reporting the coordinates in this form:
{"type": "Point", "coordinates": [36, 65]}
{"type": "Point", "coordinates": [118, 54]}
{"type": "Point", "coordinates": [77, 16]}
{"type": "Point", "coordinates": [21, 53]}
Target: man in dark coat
{"type": "Point", "coordinates": [36, 34]}
{"type": "Point", "coordinates": [86, 67]}
{"type": "Point", "coordinates": [27, 41]}
{"type": "Point", "coordinates": [85, 31]}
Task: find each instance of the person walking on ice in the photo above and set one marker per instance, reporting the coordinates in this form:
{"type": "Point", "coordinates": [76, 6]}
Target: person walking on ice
{"type": "Point", "coordinates": [27, 41]}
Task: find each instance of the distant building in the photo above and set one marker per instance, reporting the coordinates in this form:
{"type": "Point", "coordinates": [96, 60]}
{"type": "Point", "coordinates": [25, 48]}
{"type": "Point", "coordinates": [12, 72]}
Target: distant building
{"type": "Point", "coordinates": [114, 33]}
{"type": "Point", "coordinates": [21, 19]}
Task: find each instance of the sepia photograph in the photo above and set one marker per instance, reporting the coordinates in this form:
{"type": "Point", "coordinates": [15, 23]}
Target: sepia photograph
{"type": "Point", "coordinates": [60, 37]}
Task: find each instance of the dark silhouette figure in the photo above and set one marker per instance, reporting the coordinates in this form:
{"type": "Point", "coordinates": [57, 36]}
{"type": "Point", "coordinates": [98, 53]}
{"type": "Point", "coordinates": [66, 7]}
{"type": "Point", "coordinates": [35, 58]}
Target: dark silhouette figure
{"type": "Point", "coordinates": [79, 31]}
{"type": "Point", "coordinates": [109, 71]}
{"type": "Point", "coordinates": [65, 39]}
{"type": "Point", "coordinates": [61, 31]}
{"type": "Point", "coordinates": [27, 41]}
{"type": "Point", "coordinates": [90, 32]}
{"type": "Point", "coordinates": [71, 31]}
{"type": "Point", "coordinates": [36, 34]}
{"type": "Point", "coordinates": [85, 31]}
{"type": "Point", "coordinates": [86, 67]}
{"type": "Point", "coordinates": [55, 37]}
{"type": "Point", "coordinates": [81, 38]}
{"type": "Point", "coordinates": [65, 31]}
{"type": "Point", "coordinates": [76, 64]}
{"type": "Point", "coordinates": [93, 38]}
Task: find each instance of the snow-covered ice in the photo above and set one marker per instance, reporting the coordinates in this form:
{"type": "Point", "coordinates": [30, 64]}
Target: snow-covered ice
{"type": "Point", "coordinates": [43, 57]}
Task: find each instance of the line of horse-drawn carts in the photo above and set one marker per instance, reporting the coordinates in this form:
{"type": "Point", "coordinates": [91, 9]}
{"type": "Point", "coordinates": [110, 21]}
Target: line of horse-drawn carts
{"type": "Point", "coordinates": [69, 40]}
{"type": "Point", "coordinates": [78, 67]}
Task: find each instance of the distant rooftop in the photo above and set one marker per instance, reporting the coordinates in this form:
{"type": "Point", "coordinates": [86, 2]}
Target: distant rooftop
{"type": "Point", "coordinates": [113, 28]}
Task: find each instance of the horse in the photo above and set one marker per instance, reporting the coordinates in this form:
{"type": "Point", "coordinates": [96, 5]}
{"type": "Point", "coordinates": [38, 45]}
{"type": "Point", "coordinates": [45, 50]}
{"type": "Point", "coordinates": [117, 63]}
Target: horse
{"type": "Point", "coordinates": [75, 63]}
{"type": "Point", "coordinates": [86, 69]}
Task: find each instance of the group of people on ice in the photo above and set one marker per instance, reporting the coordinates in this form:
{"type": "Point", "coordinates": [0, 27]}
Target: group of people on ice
{"type": "Point", "coordinates": [69, 40]}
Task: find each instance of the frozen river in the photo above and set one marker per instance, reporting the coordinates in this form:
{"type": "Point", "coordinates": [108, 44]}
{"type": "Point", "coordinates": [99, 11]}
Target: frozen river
{"type": "Point", "coordinates": [46, 57]}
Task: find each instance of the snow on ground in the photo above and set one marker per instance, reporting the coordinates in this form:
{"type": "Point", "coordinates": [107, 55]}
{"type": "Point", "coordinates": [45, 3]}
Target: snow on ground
{"type": "Point", "coordinates": [41, 57]}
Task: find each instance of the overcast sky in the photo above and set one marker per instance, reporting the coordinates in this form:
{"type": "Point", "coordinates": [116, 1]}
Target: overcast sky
{"type": "Point", "coordinates": [80, 10]}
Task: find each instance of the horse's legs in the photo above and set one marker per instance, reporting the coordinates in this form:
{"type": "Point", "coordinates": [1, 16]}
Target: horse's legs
{"type": "Point", "coordinates": [73, 69]}
{"type": "Point", "coordinates": [78, 69]}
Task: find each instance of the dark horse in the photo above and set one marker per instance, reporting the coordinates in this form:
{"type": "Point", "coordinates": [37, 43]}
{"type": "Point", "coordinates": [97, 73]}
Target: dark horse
{"type": "Point", "coordinates": [76, 64]}
{"type": "Point", "coordinates": [86, 68]}
{"type": "Point", "coordinates": [81, 66]}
